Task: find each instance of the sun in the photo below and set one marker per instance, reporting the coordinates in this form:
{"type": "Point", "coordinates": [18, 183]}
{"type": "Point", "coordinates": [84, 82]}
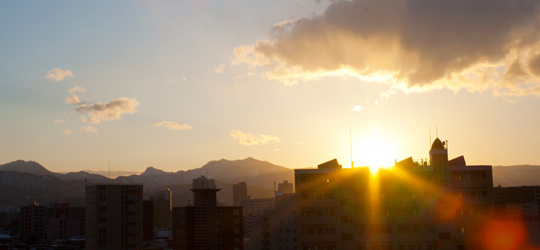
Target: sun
{"type": "Point", "coordinates": [376, 152]}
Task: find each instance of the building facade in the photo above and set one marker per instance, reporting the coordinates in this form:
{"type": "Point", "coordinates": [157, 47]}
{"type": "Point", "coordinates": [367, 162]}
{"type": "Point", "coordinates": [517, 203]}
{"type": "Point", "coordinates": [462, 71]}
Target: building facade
{"type": "Point", "coordinates": [285, 187]}
{"type": "Point", "coordinates": [414, 206]}
{"type": "Point", "coordinates": [114, 216]}
{"type": "Point", "coordinates": [162, 202]}
{"type": "Point", "coordinates": [239, 193]}
{"type": "Point", "coordinates": [33, 222]}
{"type": "Point", "coordinates": [206, 226]}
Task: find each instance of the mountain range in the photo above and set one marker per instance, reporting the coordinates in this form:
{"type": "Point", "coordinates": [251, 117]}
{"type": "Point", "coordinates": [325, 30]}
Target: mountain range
{"type": "Point", "coordinates": [23, 182]}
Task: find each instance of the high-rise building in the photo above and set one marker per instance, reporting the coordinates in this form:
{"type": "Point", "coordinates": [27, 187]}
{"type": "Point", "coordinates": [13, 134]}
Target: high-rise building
{"type": "Point", "coordinates": [204, 225]}
{"type": "Point", "coordinates": [114, 218]}
{"type": "Point", "coordinates": [33, 222]}
{"type": "Point", "coordinates": [256, 207]}
{"type": "Point", "coordinates": [276, 229]}
{"type": "Point", "coordinates": [239, 193]}
{"type": "Point", "coordinates": [204, 183]}
{"type": "Point", "coordinates": [162, 202]}
{"type": "Point", "coordinates": [285, 187]}
{"type": "Point", "coordinates": [413, 206]}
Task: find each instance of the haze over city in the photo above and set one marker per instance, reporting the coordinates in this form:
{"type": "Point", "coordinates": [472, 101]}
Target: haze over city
{"type": "Point", "coordinates": [175, 84]}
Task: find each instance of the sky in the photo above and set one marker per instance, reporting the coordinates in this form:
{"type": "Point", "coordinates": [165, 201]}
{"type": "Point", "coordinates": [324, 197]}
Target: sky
{"type": "Point", "coordinates": [175, 84]}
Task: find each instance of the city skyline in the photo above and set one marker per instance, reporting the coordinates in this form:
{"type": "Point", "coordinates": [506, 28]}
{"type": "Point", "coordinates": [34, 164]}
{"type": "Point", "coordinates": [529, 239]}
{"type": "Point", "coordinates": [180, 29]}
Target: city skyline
{"type": "Point", "coordinates": [175, 85]}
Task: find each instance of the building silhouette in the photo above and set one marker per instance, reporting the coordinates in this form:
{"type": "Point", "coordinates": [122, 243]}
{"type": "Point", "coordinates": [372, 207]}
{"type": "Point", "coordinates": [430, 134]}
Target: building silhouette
{"type": "Point", "coordinates": [239, 193]}
{"type": "Point", "coordinates": [33, 222]}
{"type": "Point", "coordinates": [277, 228]}
{"type": "Point", "coordinates": [114, 216]}
{"type": "Point", "coordinates": [205, 225]}
{"type": "Point", "coordinates": [285, 187]}
{"type": "Point", "coordinates": [414, 206]}
{"type": "Point", "coordinates": [162, 206]}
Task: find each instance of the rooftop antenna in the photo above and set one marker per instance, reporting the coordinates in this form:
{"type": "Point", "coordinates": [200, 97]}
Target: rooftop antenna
{"type": "Point", "coordinates": [109, 172]}
{"type": "Point", "coordinates": [430, 135]}
{"type": "Point", "coordinates": [350, 141]}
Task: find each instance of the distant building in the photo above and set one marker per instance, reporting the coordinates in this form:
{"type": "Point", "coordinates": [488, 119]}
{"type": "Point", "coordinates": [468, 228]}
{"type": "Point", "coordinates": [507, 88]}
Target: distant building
{"type": "Point", "coordinates": [203, 183]}
{"type": "Point", "coordinates": [62, 229]}
{"type": "Point", "coordinates": [162, 202]}
{"type": "Point", "coordinates": [415, 206]}
{"type": "Point", "coordinates": [239, 193]}
{"type": "Point", "coordinates": [285, 187]}
{"type": "Point", "coordinates": [33, 223]}
{"type": "Point", "coordinates": [205, 225]}
{"type": "Point", "coordinates": [114, 216]}
{"type": "Point", "coordinates": [256, 207]}
{"type": "Point", "coordinates": [276, 229]}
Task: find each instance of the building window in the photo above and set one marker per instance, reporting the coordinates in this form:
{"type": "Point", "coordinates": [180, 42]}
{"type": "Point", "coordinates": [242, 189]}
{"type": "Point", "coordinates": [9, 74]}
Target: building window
{"type": "Point", "coordinates": [347, 236]}
{"type": "Point", "coordinates": [236, 240]}
{"type": "Point", "coordinates": [237, 230]}
{"type": "Point", "coordinates": [236, 221]}
{"type": "Point", "coordinates": [236, 211]}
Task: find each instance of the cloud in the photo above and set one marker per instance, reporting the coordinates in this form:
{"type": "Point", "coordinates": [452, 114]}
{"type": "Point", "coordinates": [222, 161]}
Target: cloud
{"type": "Point", "coordinates": [184, 78]}
{"type": "Point", "coordinates": [172, 125]}
{"type": "Point", "coordinates": [89, 129]}
{"type": "Point", "coordinates": [220, 69]}
{"type": "Point", "coordinates": [112, 110]}
{"type": "Point", "coordinates": [415, 45]}
{"type": "Point", "coordinates": [67, 132]}
{"type": "Point", "coordinates": [357, 108]}
{"type": "Point", "coordinates": [73, 99]}
{"type": "Point", "coordinates": [77, 90]}
{"type": "Point", "coordinates": [57, 74]}
{"type": "Point", "coordinates": [249, 139]}
{"type": "Point", "coordinates": [58, 121]}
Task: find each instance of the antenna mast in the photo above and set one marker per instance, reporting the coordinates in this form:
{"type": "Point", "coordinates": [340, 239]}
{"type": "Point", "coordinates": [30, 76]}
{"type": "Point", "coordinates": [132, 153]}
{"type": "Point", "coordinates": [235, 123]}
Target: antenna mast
{"type": "Point", "coordinates": [350, 142]}
{"type": "Point", "coordinates": [109, 172]}
{"type": "Point", "coordinates": [430, 136]}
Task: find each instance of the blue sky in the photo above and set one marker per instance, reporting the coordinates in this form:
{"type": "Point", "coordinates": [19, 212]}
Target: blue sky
{"type": "Point", "coordinates": [164, 55]}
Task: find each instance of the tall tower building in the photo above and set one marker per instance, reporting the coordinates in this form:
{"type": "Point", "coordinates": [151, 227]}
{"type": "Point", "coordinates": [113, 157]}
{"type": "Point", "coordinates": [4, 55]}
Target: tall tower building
{"type": "Point", "coordinates": [239, 193]}
{"type": "Point", "coordinates": [33, 222]}
{"type": "Point", "coordinates": [204, 225]}
{"type": "Point", "coordinates": [162, 206]}
{"type": "Point", "coordinates": [114, 216]}
{"type": "Point", "coordinates": [439, 160]}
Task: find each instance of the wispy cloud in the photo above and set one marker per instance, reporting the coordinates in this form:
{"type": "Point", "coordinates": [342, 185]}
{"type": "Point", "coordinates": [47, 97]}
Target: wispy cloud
{"type": "Point", "coordinates": [77, 90]}
{"type": "Point", "coordinates": [357, 108]}
{"type": "Point", "coordinates": [58, 121]}
{"type": "Point", "coordinates": [112, 110]}
{"type": "Point", "coordinates": [172, 125]}
{"type": "Point", "coordinates": [89, 129]}
{"type": "Point", "coordinates": [67, 132]}
{"type": "Point", "coordinates": [57, 74]}
{"type": "Point", "coordinates": [249, 139]}
{"type": "Point", "coordinates": [220, 69]}
{"type": "Point", "coordinates": [73, 99]}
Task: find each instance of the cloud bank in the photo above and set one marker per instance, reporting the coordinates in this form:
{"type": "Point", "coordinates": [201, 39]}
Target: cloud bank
{"type": "Point", "coordinates": [249, 139]}
{"type": "Point", "coordinates": [172, 125]}
{"type": "Point", "coordinates": [416, 45]}
{"type": "Point", "coordinates": [67, 132]}
{"type": "Point", "coordinates": [112, 110]}
{"type": "Point", "coordinates": [57, 74]}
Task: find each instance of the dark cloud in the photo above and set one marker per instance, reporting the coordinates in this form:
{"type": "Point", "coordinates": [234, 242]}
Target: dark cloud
{"type": "Point", "coordinates": [416, 44]}
{"type": "Point", "coordinates": [112, 110]}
